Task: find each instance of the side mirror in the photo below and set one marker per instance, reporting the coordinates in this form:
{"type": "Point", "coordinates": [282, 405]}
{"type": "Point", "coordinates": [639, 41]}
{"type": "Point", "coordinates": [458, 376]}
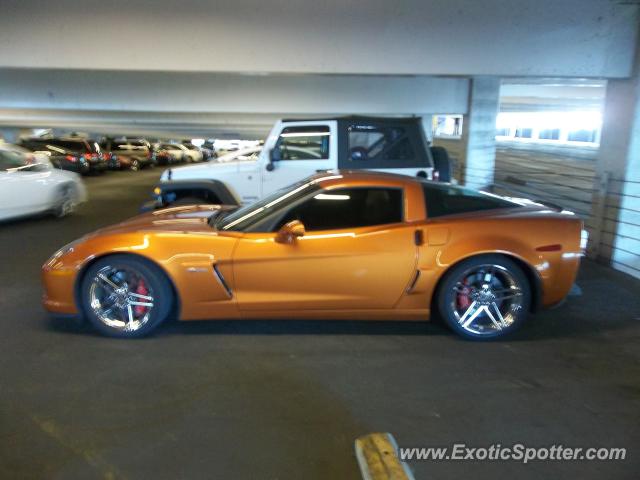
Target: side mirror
{"type": "Point", "coordinates": [290, 231]}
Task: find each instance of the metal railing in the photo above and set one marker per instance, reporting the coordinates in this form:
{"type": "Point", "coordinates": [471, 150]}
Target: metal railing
{"type": "Point", "coordinates": [609, 205]}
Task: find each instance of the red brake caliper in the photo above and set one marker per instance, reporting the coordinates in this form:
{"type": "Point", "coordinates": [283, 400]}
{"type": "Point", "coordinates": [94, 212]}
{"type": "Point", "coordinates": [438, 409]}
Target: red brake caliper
{"type": "Point", "coordinates": [139, 310]}
{"type": "Point", "coordinates": [463, 297]}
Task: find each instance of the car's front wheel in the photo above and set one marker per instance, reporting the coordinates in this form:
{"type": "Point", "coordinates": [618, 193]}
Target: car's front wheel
{"type": "Point", "coordinates": [125, 296]}
{"type": "Point", "coordinates": [484, 297]}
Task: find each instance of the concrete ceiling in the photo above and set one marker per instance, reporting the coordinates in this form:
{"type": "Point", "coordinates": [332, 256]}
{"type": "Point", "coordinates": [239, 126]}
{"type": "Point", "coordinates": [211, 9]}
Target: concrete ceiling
{"type": "Point", "coordinates": [229, 68]}
{"type": "Point", "coordinates": [589, 38]}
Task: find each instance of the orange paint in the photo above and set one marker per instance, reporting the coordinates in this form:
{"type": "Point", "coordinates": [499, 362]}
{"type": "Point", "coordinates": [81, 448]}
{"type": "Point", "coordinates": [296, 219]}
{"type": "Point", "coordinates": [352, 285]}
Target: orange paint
{"type": "Point", "coordinates": [375, 272]}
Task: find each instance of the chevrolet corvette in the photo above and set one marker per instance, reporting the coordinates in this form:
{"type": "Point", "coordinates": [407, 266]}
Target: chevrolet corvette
{"type": "Point", "coordinates": [337, 245]}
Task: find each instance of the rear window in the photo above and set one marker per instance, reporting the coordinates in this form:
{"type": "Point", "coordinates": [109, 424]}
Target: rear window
{"type": "Point", "coordinates": [378, 144]}
{"type": "Point", "coordinates": [448, 200]}
{"type": "Point", "coordinates": [72, 145]}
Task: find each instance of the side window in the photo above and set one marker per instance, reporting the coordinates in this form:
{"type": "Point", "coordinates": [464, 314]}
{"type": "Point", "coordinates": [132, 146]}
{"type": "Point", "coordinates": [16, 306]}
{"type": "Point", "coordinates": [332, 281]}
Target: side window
{"type": "Point", "coordinates": [347, 208]}
{"type": "Point", "coordinates": [303, 143]}
{"type": "Point", "coordinates": [449, 200]}
{"type": "Point", "coordinates": [369, 143]}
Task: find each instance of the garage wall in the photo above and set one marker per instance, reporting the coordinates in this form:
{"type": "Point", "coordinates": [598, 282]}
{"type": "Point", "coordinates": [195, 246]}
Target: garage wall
{"type": "Point", "coordinates": [620, 240]}
{"type": "Point", "coordinates": [592, 38]}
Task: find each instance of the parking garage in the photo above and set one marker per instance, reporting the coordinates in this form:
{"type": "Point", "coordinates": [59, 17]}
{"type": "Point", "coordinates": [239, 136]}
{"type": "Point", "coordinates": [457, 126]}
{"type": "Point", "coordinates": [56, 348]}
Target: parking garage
{"type": "Point", "coordinates": [229, 103]}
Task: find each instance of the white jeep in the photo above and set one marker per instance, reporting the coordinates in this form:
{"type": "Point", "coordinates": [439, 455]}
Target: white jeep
{"type": "Point", "coordinates": [296, 149]}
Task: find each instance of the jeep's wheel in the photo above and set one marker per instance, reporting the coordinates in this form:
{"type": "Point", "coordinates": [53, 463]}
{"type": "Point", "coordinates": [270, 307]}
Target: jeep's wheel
{"type": "Point", "coordinates": [484, 297]}
{"type": "Point", "coordinates": [125, 296]}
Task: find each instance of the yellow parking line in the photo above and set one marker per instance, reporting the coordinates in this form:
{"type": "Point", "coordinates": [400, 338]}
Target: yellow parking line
{"type": "Point", "coordinates": [377, 455]}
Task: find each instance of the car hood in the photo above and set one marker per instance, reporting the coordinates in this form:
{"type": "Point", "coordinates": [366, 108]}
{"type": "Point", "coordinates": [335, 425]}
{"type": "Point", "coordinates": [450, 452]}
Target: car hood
{"type": "Point", "coordinates": [191, 218]}
{"type": "Point", "coordinates": [204, 170]}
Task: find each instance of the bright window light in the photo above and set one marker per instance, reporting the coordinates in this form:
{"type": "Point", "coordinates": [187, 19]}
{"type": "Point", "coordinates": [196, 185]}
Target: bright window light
{"type": "Point", "coordinates": [585, 120]}
{"type": "Point", "coordinates": [331, 196]}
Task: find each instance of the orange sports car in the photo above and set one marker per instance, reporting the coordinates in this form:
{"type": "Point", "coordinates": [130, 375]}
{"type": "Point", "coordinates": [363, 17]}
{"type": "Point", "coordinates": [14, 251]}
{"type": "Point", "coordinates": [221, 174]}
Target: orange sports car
{"type": "Point", "coordinates": [338, 245]}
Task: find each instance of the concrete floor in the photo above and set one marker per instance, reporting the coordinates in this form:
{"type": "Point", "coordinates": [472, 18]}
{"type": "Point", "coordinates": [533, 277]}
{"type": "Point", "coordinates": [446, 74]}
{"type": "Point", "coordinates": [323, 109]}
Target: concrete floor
{"type": "Point", "coordinates": [285, 400]}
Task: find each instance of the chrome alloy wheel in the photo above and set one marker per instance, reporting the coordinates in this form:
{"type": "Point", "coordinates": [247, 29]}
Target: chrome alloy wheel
{"type": "Point", "coordinates": [486, 299]}
{"type": "Point", "coordinates": [121, 298]}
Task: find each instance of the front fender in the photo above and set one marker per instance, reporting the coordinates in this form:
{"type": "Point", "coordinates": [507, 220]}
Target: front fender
{"type": "Point", "coordinates": [187, 260]}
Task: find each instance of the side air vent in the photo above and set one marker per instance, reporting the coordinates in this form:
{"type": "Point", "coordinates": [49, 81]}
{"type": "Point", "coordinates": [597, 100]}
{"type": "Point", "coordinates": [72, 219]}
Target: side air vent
{"type": "Point", "coordinates": [222, 281]}
{"type": "Point", "coordinates": [413, 282]}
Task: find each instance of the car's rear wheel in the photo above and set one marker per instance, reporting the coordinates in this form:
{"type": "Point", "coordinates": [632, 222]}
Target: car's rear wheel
{"type": "Point", "coordinates": [65, 202]}
{"type": "Point", "coordinates": [125, 296]}
{"type": "Point", "coordinates": [484, 297]}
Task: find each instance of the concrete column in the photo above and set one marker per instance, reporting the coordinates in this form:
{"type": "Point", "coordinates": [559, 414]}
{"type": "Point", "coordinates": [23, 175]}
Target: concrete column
{"type": "Point", "coordinates": [615, 219]}
{"type": "Point", "coordinates": [479, 132]}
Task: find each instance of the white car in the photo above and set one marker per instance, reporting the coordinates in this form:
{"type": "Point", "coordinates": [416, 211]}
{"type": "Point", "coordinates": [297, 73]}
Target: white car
{"type": "Point", "coordinates": [177, 153]}
{"type": "Point", "coordinates": [28, 188]}
{"type": "Point", "coordinates": [194, 153]}
{"type": "Point", "coordinates": [181, 153]}
{"type": "Point", "coordinates": [32, 157]}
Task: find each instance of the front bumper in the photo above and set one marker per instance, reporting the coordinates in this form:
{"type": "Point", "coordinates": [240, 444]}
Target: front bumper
{"type": "Point", "coordinates": [98, 166]}
{"type": "Point", "coordinates": [59, 286]}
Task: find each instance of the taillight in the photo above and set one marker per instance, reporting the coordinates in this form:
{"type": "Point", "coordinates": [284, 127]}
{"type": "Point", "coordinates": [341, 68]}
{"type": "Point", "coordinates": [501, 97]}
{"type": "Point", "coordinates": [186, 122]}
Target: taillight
{"type": "Point", "coordinates": [70, 158]}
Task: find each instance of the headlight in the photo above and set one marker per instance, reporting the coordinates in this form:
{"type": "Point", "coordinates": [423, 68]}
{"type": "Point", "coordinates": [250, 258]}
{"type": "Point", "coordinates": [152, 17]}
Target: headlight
{"type": "Point", "coordinates": [68, 248]}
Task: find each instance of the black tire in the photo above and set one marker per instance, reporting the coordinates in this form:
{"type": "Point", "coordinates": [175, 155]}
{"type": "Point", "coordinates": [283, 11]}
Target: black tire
{"type": "Point", "coordinates": [516, 313]}
{"type": "Point", "coordinates": [188, 201]}
{"type": "Point", "coordinates": [156, 280]}
{"type": "Point", "coordinates": [441, 163]}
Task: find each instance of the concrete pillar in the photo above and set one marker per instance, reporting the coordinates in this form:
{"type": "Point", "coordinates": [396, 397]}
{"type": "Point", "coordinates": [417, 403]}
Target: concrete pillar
{"type": "Point", "coordinates": [615, 219]}
{"type": "Point", "coordinates": [479, 132]}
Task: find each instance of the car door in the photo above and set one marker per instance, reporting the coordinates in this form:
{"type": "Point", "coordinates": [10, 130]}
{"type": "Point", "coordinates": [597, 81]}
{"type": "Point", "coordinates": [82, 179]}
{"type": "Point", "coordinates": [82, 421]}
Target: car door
{"type": "Point", "coordinates": [301, 149]}
{"type": "Point", "coordinates": [356, 254]}
{"type": "Point", "coordinates": [23, 188]}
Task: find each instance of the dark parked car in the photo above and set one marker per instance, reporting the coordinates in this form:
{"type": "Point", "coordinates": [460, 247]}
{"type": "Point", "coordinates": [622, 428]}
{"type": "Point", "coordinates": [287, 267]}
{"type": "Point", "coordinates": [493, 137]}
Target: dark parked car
{"type": "Point", "coordinates": [132, 154]}
{"type": "Point", "coordinates": [75, 154]}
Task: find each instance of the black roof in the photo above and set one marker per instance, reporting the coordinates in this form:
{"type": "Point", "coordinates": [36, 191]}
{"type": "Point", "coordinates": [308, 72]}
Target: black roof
{"type": "Point", "coordinates": [359, 118]}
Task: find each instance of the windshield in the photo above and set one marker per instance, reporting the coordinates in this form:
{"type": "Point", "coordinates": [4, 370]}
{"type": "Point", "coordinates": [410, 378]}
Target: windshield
{"type": "Point", "coordinates": [246, 216]}
{"type": "Point", "coordinates": [10, 160]}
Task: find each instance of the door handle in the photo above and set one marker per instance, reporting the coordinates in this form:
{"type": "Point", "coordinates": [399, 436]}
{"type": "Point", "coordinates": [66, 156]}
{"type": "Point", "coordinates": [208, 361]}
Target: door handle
{"type": "Point", "coordinates": [418, 237]}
